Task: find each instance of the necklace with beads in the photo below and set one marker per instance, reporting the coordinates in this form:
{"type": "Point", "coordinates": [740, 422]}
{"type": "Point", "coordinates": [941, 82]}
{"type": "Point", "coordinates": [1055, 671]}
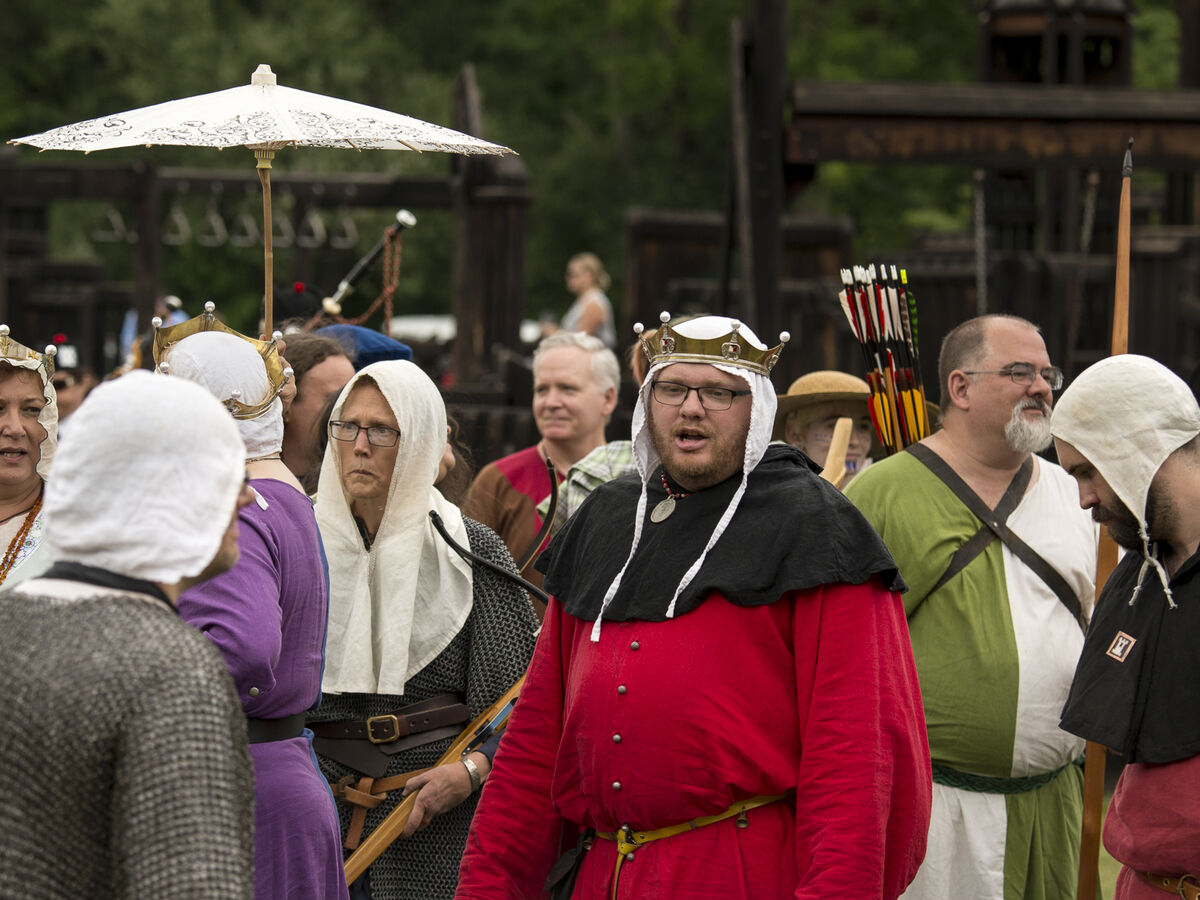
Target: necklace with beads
{"type": "Point", "coordinates": [664, 508]}
{"type": "Point", "coordinates": [14, 546]}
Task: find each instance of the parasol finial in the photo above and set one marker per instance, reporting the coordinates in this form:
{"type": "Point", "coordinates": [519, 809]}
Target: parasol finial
{"type": "Point", "coordinates": [263, 75]}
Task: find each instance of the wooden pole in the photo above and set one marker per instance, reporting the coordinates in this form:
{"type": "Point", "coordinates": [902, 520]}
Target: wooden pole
{"type": "Point", "coordinates": [835, 461]}
{"type": "Point", "coordinates": [264, 157]}
{"type": "Point", "coordinates": [1106, 561]}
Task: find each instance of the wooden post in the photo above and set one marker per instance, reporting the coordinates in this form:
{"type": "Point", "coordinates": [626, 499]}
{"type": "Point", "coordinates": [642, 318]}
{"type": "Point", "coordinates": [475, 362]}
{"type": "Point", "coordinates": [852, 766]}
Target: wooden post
{"type": "Point", "coordinates": [491, 199]}
{"type": "Point", "coordinates": [1106, 561]}
{"type": "Point", "coordinates": [758, 88]}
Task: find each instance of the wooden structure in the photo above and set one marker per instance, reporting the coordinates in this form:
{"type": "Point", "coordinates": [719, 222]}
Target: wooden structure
{"type": "Point", "coordinates": [1040, 149]}
{"type": "Point", "coordinates": [674, 261]}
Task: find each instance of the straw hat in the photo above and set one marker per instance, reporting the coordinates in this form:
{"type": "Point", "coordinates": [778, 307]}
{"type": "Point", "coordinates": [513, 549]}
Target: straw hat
{"type": "Point", "coordinates": [818, 387]}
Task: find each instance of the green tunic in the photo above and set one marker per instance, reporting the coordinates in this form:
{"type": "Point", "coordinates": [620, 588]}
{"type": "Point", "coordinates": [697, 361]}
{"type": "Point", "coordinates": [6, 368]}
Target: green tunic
{"type": "Point", "coordinates": [995, 652]}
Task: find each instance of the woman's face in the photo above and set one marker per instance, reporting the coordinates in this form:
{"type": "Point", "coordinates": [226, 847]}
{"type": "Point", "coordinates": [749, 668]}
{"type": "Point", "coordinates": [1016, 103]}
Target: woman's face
{"type": "Point", "coordinates": [579, 277]}
{"type": "Point", "coordinates": [814, 437]}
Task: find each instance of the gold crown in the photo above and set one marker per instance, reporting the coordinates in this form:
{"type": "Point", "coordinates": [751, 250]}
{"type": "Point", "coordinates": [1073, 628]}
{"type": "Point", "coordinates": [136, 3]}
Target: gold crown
{"type": "Point", "coordinates": [277, 374]}
{"type": "Point", "coordinates": [18, 352]}
{"type": "Point", "coordinates": [668, 345]}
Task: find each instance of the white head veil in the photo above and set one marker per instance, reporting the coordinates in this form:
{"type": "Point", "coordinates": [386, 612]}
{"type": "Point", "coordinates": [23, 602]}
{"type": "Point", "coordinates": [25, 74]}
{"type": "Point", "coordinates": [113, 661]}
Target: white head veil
{"type": "Point", "coordinates": [395, 607]}
{"type": "Point", "coordinates": [148, 482]}
{"type": "Point", "coordinates": [762, 421]}
{"type": "Point", "coordinates": [48, 417]}
{"type": "Point", "coordinates": [1126, 415]}
{"type": "Point", "coordinates": [224, 363]}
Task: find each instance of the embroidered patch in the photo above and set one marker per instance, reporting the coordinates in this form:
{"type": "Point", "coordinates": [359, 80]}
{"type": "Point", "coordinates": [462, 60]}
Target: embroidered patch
{"type": "Point", "coordinates": [1120, 646]}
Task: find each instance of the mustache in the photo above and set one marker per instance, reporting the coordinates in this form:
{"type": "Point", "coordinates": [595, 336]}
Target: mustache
{"type": "Point", "coordinates": [1034, 403]}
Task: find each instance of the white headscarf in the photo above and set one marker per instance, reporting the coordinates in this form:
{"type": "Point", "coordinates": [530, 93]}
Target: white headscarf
{"type": "Point", "coordinates": [1126, 415]}
{"type": "Point", "coordinates": [762, 421]}
{"type": "Point", "coordinates": [48, 417]}
{"type": "Point", "coordinates": [395, 607]}
{"type": "Point", "coordinates": [224, 363]}
{"type": "Point", "coordinates": [147, 484]}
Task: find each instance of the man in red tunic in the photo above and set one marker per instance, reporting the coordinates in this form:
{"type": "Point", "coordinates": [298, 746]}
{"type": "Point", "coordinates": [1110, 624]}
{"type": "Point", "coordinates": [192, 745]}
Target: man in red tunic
{"type": "Point", "coordinates": [575, 381]}
{"type": "Point", "coordinates": [723, 701]}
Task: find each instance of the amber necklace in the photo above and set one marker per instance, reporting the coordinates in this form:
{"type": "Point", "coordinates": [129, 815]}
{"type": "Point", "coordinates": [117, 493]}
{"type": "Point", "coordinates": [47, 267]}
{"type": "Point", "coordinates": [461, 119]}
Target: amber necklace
{"type": "Point", "coordinates": [14, 546]}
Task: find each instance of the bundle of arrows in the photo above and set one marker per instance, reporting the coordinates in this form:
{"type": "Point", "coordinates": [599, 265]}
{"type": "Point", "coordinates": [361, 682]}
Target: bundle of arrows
{"type": "Point", "coordinates": [882, 313]}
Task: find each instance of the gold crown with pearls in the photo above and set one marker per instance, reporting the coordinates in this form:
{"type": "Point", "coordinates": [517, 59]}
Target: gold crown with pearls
{"type": "Point", "coordinates": [666, 345]}
{"type": "Point", "coordinates": [277, 373]}
{"type": "Point", "coordinates": [18, 352]}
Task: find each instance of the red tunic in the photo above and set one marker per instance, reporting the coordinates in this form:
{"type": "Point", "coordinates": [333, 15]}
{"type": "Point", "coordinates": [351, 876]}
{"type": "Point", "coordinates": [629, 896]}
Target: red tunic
{"type": "Point", "coordinates": [504, 496]}
{"type": "Point", "coordinates": [1153, 824]}
{"type": "Point", "coordinates": [815, 696]}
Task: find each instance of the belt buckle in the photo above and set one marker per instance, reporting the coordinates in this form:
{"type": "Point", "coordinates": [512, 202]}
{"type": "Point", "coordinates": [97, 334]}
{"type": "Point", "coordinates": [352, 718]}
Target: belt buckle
{"type": "Point", "coordinates": [1183, 885]}
{"type": "Point", "coordinates": [390, 724]}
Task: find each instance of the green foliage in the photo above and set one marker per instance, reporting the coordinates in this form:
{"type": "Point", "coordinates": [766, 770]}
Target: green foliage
{"type": "Point", "coordinates": [1156, 35]}
{"type": "Point", "coordinates": [612, 104]}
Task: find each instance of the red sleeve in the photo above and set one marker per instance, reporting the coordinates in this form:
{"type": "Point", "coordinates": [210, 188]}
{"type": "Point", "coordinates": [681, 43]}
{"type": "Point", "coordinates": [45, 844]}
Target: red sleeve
{"type": "Point", "coordinates": [863, 784]}
{"type": "Point", "coordinates": [516, 799]}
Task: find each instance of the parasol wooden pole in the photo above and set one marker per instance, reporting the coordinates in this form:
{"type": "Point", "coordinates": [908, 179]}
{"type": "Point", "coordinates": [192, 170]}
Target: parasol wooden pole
{"type": "Point", "coordinates": [1106, 561]}
{"type": "Point", "coordinates": [264, 157]}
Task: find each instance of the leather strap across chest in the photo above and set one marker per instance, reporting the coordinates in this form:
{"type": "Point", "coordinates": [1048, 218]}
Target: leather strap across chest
{"type": "Point", "coordinates": [995, 525]}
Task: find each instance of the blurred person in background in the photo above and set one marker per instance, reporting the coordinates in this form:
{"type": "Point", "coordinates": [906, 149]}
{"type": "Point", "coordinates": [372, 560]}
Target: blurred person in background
{"type": "Point", "coordinates": [592, 311]}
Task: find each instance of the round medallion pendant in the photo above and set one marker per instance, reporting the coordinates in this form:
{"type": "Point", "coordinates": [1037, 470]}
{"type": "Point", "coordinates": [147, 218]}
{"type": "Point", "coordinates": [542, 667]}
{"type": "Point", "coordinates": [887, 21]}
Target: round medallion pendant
{"type": "Point", "coordinates": [663, 510]}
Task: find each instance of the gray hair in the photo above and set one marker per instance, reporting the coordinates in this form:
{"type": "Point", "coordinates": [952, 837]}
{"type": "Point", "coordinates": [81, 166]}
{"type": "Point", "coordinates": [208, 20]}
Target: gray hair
{"type": "Point", "coordinates": [966, 344]}
{"type": "Point", "coordinates": [606, 370]}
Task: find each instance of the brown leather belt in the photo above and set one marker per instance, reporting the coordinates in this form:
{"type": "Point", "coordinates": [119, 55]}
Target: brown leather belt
{"type": "Point", "coordinates": [368, 745]}
{"type": "Point", "coordinates": [1185, 886]}
{"type": "Point", "coordinates": [436, 712]}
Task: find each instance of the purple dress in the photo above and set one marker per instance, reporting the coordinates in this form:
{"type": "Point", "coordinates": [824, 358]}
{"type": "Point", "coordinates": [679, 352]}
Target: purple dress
{"type": "Point", "coordinates": [267, 616]}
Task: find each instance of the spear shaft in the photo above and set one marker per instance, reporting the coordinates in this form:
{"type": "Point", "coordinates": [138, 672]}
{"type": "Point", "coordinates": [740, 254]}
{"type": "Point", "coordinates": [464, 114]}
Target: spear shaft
{"type": "Point", "coordinates": [1106, 561]}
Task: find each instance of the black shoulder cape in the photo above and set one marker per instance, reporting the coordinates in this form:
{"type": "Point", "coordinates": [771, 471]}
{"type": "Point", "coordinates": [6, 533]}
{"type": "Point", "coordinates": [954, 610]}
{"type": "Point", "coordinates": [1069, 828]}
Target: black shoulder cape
{"type": "Point", "coordinates": [1137, 685]}
{"type": "Point", "coordinates": [792, 531]}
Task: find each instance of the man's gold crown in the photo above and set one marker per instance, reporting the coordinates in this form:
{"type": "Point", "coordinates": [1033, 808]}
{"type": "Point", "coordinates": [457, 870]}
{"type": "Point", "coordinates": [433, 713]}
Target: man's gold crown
{"type": "Point", "coordinates": [277, 374]}
{"type": "Point", "coordinates": [15, 350]}
{"type": "Point", "coordinates": [668, 345]}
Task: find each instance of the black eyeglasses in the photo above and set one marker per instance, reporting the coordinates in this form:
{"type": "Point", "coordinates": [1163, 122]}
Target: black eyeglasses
{"type": "Point", "coordinates": [377, 435]}
{"type": "Point", "coordinates": [671, 394]}
{"type": "Point", "coordinates": [1026, 374]}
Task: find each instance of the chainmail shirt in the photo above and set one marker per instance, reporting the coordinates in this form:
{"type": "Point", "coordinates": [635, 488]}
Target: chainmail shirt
{"type": "Point", "coordinates": [482, 661]}
{"type": "Point", "coordinates": [123, 762]}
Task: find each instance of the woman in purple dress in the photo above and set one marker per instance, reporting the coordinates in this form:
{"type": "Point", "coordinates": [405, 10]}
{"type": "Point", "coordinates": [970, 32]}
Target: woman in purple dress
{"type": "Point", "coordinates": [267, 616]}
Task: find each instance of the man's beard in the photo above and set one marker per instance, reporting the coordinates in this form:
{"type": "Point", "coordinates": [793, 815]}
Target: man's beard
{"type": "Point", "coordinates": [1123, 526]}
{"type": "Point", "coordinates": [1025, 436]}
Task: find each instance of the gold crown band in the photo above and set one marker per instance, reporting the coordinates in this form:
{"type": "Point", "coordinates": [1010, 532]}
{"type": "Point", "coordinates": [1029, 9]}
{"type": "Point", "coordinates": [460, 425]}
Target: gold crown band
{"type": "Point", "coordinates": [277, 374]}
{"type": "Point", "coordinates": [18, 352]}
{"type": "Point", "coordinates": [666, 345]}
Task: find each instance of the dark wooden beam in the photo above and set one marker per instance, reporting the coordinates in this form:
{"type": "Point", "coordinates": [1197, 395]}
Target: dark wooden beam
{"type": "Point", "coordinates": [992, 125]}
{"type": "Point", "coordinates": [60, 182]}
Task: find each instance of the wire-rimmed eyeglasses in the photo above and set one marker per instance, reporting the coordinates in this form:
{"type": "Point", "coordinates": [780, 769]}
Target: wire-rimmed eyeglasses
{"type": "Point", "coordinates": [672, 394]}
{"type": "Point", "coordinates": [377, 435]}
{"type": "Point", "coordinates": [1026, 374]}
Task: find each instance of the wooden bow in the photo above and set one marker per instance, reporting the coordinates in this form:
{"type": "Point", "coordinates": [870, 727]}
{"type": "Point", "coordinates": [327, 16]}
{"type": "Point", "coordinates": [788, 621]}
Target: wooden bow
{"type": "Point", "coordinates": [490, 721]}
{"type": "Point", "coordinates": [1106, 561]}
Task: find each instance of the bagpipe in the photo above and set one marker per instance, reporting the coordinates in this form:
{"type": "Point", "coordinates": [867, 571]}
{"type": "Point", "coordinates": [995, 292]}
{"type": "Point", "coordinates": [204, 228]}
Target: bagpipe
{"type": "Point", "coordinates": [882, 312]}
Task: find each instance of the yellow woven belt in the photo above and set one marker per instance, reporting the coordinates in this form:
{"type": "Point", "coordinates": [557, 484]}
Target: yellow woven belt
{"type": "Point", "coordinates": [629, 840]}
